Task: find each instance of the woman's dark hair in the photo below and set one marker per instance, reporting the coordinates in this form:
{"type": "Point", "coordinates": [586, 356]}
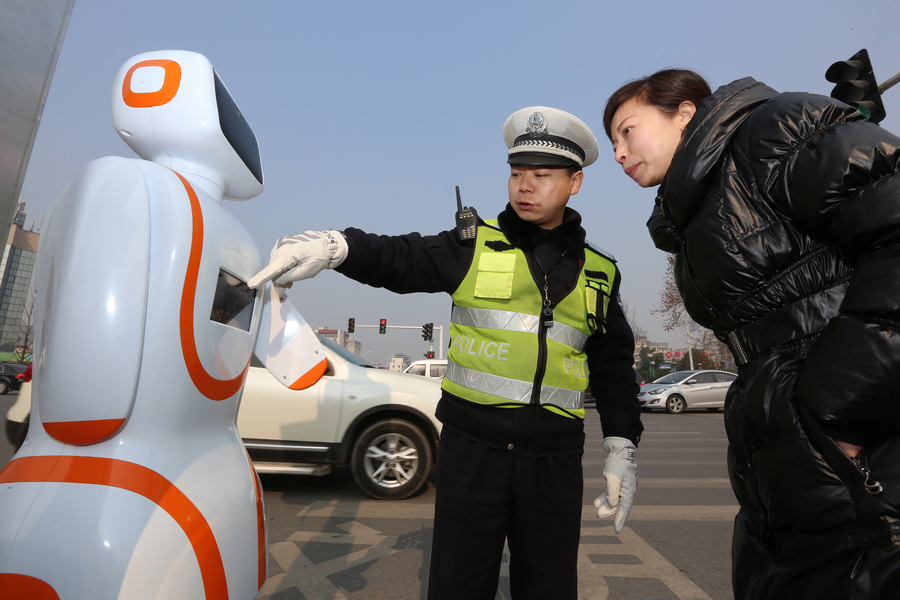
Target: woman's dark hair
{"type": "Point", "coordinates": [665, 90]}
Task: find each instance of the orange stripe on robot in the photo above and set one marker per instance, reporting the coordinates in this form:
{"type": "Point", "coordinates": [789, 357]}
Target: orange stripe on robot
{"type": "Point", "coordinates": [14, 586]}
{"type": "Point", "coordinates": [311, 376]}
{"type": "Point", "coordinates": [209, 386]}
{"type": "Point", "coordinates": [262, 551]}
{"type": "Point", "coordinates": [171, 81]}
{"type": "Point", "coordinates": [82, 433]}
{"type": "Point", "coordinates": [140, 480]}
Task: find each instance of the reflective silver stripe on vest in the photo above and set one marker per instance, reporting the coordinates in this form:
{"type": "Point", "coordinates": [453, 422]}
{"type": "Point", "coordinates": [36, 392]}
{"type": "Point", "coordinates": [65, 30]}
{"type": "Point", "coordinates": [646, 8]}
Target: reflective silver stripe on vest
{"type": "Point", "coordinates": [511, 389]}
{"type": "Point", "coordinates": [507, 320]}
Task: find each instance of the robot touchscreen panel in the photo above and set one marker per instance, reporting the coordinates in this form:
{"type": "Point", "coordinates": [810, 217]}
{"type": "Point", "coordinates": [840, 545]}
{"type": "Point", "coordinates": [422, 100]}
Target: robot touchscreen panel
{"type": "Point", "coordinates": [233, 303]}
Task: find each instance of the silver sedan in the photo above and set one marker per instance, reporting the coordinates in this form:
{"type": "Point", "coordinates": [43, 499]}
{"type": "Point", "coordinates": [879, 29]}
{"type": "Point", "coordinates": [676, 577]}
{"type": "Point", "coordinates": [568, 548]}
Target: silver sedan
{"type": "Point", "coordinates": [687, 389]}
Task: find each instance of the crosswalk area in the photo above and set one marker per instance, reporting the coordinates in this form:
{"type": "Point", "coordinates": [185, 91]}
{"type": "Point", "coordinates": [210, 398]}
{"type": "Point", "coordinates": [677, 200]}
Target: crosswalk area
{"type": "Point", "coordinates": [361, 550]}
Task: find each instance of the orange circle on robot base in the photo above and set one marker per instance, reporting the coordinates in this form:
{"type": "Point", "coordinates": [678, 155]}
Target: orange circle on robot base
{"type": "Point", "coordinates": [138, 479]}
{"type": "Point", "coordinates": [164, 94]}
{"type": "Point", "coordinates": [14, 585]}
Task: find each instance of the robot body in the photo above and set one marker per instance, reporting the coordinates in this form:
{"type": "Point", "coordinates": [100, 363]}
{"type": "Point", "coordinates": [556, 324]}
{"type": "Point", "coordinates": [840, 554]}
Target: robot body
{"type": "Point", "coordinates": [136, 484]}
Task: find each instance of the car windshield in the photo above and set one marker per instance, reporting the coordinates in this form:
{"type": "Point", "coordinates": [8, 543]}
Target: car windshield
{"type": "Point", "coordinates": [343, 352]}
{"type": "Point", "coordinates": [675, 377]}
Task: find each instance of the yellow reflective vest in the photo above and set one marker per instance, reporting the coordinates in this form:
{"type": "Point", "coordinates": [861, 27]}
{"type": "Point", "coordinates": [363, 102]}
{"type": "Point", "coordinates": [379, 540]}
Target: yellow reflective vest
{"type": "Point", "coordinates": [502, 353]}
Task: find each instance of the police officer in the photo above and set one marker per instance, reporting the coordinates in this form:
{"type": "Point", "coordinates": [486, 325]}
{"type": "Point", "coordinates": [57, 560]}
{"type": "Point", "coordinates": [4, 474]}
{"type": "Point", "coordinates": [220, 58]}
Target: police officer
{"type": "Point", "coordinates": [535, 321]}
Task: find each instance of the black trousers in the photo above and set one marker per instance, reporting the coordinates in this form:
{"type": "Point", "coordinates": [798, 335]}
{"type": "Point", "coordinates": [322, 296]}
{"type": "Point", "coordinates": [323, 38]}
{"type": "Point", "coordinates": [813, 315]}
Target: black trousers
{"type": "Point", "coordinates": [486, 496]}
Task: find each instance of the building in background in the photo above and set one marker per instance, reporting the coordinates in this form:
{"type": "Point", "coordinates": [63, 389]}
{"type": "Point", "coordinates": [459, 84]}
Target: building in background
{"type": "Point", "coordinates": [341, 338]}
{"type": "Point", "coordinates": [338, 336]}
{"type": "Point", "coordinates": [399, 362]}
{"type": "Point", "coordinates": [16, 306]}
{"type": "Point", "coordinates": [652, 348]}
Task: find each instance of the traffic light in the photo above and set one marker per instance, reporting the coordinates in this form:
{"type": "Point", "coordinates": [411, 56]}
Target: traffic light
{"type": "Point", "coordinates": [428, 331]}
{"type": "Point", "coordinates": [856, 85]}
{"type": "Point", "coordinates": [382, 326]}
{"type": "Point", "coordinates": [351, 325]}
{"type": "Point", "coordinates": [429, 354]}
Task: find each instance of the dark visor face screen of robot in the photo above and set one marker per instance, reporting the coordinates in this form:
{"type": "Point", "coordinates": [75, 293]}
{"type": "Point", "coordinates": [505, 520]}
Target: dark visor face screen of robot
{"type": "Point", "coordinates": [236, 130]}
{"type": "Point", "coordinates": [233, 303]}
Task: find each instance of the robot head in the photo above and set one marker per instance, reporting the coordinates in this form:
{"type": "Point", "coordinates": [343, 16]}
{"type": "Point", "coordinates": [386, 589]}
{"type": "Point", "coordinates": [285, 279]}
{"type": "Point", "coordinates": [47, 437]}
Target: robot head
{"type": "Point", "coordinates": [171, 108]}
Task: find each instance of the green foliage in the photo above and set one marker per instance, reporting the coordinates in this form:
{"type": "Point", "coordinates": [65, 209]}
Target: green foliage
{"type": "Point", "coordinates": [649, 367]}
{"type": "Point", "coordinates": [701, 361]}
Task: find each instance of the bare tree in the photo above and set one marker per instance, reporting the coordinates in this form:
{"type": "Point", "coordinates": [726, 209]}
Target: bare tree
{"type": "Point", "coordinates": [636, 329]}
{"type": "Point", "coordinates": [671, 307]}
{"type": "Point", "coordinates": [710, 344]}
{"type": "Point", "coordinates": [25, 340]}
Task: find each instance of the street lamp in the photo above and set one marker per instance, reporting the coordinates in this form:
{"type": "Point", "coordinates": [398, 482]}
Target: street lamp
{"type": "Point", "coordinates": [364, 354]}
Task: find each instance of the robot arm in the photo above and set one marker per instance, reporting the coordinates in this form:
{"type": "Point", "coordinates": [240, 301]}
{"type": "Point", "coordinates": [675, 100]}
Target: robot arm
{"type": "Point", "coordinates": [287, 345]}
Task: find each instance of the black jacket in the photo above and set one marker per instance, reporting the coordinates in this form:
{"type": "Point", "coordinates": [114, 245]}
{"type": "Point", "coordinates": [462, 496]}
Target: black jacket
{"type": "Point", "coordinates": [783, 211]}
{"type": "Point", "coordinates": [439, 263]}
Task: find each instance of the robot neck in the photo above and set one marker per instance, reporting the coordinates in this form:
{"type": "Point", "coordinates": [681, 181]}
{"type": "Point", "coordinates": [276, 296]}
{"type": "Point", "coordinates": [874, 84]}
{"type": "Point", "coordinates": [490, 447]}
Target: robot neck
{"type": "Point", "coordinates": [203, 179]}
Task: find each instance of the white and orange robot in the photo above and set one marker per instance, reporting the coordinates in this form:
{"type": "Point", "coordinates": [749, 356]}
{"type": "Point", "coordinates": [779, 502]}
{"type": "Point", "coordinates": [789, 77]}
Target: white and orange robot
{"type": "Point", "coordinates": [135, 484]}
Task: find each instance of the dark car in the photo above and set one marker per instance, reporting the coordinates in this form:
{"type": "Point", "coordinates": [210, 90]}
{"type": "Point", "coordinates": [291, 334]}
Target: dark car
{"type": "Point", "coordinates": [8, 376]}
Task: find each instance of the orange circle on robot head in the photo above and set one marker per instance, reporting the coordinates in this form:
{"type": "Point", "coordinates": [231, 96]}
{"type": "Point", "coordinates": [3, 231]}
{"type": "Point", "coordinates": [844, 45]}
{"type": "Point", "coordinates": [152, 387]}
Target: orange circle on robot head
{"type": "Point", "coordinates": [171, 81]}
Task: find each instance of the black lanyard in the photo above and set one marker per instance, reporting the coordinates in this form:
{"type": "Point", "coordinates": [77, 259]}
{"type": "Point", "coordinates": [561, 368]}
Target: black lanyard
{"type": "Point", "coordinates": [547, 312]}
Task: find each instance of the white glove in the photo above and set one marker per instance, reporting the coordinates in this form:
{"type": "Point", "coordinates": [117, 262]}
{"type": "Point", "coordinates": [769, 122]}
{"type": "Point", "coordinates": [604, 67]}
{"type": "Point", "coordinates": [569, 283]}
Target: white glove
{"type": "Point", "coordinates": [621, 473]}
{"type": "Point", "coordinates": [302, 256]}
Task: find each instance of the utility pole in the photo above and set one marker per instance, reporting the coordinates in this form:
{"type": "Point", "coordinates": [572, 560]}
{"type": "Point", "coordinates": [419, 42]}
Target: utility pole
{"type": "Point", "coordinates": [687, 334]}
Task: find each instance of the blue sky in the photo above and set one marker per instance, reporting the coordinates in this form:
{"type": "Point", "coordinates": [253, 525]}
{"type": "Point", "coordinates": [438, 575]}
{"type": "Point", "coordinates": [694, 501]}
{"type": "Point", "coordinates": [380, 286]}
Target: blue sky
{"type": "Point", "coordinates": [368, 114]}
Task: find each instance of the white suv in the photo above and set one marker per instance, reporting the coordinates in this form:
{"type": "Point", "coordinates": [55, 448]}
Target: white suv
{"type": "Point", "coordinates": [432, 368]}
{"type": "Point", "coordinates": [380, 423]}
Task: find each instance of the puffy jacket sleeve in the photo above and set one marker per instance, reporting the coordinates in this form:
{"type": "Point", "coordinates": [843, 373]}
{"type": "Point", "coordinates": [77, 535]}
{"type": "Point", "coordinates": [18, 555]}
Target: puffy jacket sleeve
{"type": "Point", "coordinates": [837, 176]}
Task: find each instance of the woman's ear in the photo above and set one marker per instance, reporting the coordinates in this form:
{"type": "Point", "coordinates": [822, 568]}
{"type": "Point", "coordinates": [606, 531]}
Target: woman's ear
{"type": "Point", "coordinates": [686, 111]}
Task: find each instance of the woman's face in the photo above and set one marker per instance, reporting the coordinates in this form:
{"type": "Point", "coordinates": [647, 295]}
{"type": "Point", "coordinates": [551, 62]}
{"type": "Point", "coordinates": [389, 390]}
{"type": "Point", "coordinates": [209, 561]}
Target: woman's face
{"type": "Point", "coordinates": [644, 139]}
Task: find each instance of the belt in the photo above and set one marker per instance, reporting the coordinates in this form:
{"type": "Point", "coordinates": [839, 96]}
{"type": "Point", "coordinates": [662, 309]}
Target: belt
{"type": "Point", "coordinates": [790, 323]}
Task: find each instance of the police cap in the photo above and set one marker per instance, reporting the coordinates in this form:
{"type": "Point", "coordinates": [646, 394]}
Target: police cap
{"type": "Point", "coordinates": [543, 136]}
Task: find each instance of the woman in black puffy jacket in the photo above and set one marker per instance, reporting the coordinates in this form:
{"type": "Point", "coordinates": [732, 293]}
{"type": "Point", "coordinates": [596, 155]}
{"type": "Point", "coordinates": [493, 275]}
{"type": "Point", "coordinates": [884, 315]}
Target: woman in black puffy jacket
{"type": "Point", "coordinates": [783, 212]}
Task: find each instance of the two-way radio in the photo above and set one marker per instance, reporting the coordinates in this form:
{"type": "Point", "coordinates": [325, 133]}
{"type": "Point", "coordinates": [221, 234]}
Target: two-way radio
{"type": "Point", "coordinates": [466, 221]}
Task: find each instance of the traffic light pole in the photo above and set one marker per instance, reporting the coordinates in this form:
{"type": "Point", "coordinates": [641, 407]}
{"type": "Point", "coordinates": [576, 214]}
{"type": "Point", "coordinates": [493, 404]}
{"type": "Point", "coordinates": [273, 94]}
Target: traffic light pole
{"type": "Point", "coordinates": [440, 328]}
{"type": "Point", "coordinates": [889, 83]}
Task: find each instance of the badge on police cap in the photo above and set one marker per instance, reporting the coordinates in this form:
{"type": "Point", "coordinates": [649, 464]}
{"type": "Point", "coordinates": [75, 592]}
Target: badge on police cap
{"type": "Point", "coordinates": [544, 136]}
{"type": "Point", "coordinates": [537, 125]}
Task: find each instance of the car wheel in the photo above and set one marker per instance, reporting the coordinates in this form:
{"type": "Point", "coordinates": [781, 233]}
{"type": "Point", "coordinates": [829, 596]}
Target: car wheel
{"type": "Point", "coordinates": [391, 459]}
{"type": "Point", "coordinates": [4, 387]}
{"type": "Point", "coordinates": [674, 404]}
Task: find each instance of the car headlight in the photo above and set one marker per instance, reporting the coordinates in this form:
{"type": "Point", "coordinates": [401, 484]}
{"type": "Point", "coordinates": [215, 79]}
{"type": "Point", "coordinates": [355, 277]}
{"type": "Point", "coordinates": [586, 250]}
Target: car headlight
{"type": "Point", "coordinates": [658, 391]}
